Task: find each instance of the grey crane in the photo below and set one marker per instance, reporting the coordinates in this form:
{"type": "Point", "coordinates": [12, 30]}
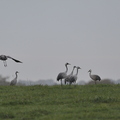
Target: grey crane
{"type": "Point", "coordinates": [73, 78]}
{"type": "Point", "coordinates": [68, 76]}
{"type": "Point", "coordinates": [94, 77]}
{"type": "Point", "coordinates": [14, 81]}
{"type": "Point", "coordinates": [63, 75]}
{"type": "Point", "coordinates": [4, 58]}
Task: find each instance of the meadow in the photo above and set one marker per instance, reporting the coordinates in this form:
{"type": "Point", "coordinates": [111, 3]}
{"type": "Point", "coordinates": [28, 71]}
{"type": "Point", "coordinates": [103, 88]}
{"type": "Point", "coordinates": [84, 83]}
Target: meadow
{"type": "Point", "coordinates": [80, 102]}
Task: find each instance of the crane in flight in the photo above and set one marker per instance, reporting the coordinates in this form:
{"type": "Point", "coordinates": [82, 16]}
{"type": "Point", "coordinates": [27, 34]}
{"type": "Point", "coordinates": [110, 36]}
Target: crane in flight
{"type": "Point", "coordinates": [4, 58]}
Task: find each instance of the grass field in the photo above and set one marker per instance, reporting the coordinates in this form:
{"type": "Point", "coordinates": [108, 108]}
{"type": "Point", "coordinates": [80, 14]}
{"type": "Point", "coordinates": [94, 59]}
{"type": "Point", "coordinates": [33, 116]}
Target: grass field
{"type": "Point", "coordinates": [88, 102]}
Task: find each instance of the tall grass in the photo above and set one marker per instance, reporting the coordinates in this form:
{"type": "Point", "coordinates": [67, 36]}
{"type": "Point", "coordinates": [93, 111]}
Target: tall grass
{"type": "Point", "coordinates": [88, 102]}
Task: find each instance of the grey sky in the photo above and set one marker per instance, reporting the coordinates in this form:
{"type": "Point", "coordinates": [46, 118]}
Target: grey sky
{"type": "Point", "coordinates": [47, 34]}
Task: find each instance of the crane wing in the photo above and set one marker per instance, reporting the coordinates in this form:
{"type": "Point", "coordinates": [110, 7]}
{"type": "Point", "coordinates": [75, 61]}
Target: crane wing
{"type": "Point", "coordinates": [95, 77]}
{"type": "Point", "coordinates": [13, 82]}
{"type": "Point", "coordinates": [61, 76]}
{"type": "Point", "coordinates": [14, 59]}
{"type": "Point", "coordinates": [73, 78]}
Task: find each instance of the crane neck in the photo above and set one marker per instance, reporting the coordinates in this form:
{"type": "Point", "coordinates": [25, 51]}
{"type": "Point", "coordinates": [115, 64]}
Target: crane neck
{"type": "Point", "coordinates": [90, 74]}
{"type": "Point", "coordinates": [72, 71]}
{"type": "Point", "coordinates": [66, 68]}
{"type": "Point", "coordinates": [16, 75]}
{"type": "Point", "coordinates": [77, 72]}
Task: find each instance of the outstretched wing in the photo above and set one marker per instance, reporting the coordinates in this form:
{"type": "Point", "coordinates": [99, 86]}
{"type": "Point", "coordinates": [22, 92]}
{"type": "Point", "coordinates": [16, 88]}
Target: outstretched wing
{"type": "Point", "coordinates": [14, 59]}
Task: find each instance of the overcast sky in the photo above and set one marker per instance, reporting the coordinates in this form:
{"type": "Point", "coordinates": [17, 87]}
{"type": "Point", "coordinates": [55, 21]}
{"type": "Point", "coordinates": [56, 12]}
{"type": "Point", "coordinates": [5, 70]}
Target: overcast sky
{"type": "Point", "coordinates": [45, 34]}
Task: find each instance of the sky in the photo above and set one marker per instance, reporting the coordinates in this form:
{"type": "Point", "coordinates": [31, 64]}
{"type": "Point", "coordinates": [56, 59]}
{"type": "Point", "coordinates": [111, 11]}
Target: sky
{"type": "Point", "coordinates": [45, 34]}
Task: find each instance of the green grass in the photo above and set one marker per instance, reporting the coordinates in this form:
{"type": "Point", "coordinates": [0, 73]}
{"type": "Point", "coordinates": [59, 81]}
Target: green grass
{"type": "Point", "coordinates": [88, 102]}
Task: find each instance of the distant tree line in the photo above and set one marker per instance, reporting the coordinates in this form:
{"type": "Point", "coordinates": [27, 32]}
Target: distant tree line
{"type": "Point", "coordinates": [4, 82]}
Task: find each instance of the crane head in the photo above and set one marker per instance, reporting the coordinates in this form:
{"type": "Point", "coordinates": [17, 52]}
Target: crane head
{"type": "Point", "coordinates": [74, 66]}
{"type": "Point", "coordinates": [67, 64]}
{"type": "Point", "coordinates": [78, 67]}
{"type": "Point", "coordinates": [16, 72]}
{"type": "Point", "coordinates": [90, 70]}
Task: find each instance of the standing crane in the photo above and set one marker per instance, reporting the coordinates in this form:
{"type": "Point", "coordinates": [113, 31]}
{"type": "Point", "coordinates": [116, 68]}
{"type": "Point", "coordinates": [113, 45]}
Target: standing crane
{"type": "Point", "coordinates": [68, 76]}
{"type": "Point", "coordinates": [14, 81]}
{"type": "Point", "coordinates": [4, 58]}
{"type": "Point", "coordinates": [94, 77]}
{"type": "Point", "coordinates": [74, 77]}
{"type": "Point", "coordinates": [63, 75]}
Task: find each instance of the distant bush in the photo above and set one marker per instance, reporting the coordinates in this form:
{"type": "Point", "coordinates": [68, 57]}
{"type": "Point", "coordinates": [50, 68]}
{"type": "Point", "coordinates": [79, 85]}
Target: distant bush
{"type": "Point", "coordinates": [104, 81]}
{"type": "Point", "coordinates": [3, 80]}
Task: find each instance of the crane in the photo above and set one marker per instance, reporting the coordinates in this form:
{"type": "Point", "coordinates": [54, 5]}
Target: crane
{"type": "Point", "coordinates": [4, 58]}
{"type": "Point", "coordinates": [68, 76]}
{"type": "Point", "coordinates": [14, 81]}
{"type": "Point", "coordinates": [73, 78]}
{"type": "Point", "coordinates": [94, 77]}
{"type": "Point", "coordinates": [63, 75]}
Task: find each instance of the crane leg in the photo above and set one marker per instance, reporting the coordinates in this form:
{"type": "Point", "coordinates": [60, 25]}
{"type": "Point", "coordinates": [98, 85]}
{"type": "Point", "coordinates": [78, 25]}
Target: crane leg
{"type": "Point", "coordinates": [5, 63]}
{"type": "Point", "coordinates": [95, 82]}
{"type": "Point", "coordinates": [75, 84]}
{"type": "Point", "coordinates": [65, 81]}
{"type": "Point", "coordinates": [61, 82]}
